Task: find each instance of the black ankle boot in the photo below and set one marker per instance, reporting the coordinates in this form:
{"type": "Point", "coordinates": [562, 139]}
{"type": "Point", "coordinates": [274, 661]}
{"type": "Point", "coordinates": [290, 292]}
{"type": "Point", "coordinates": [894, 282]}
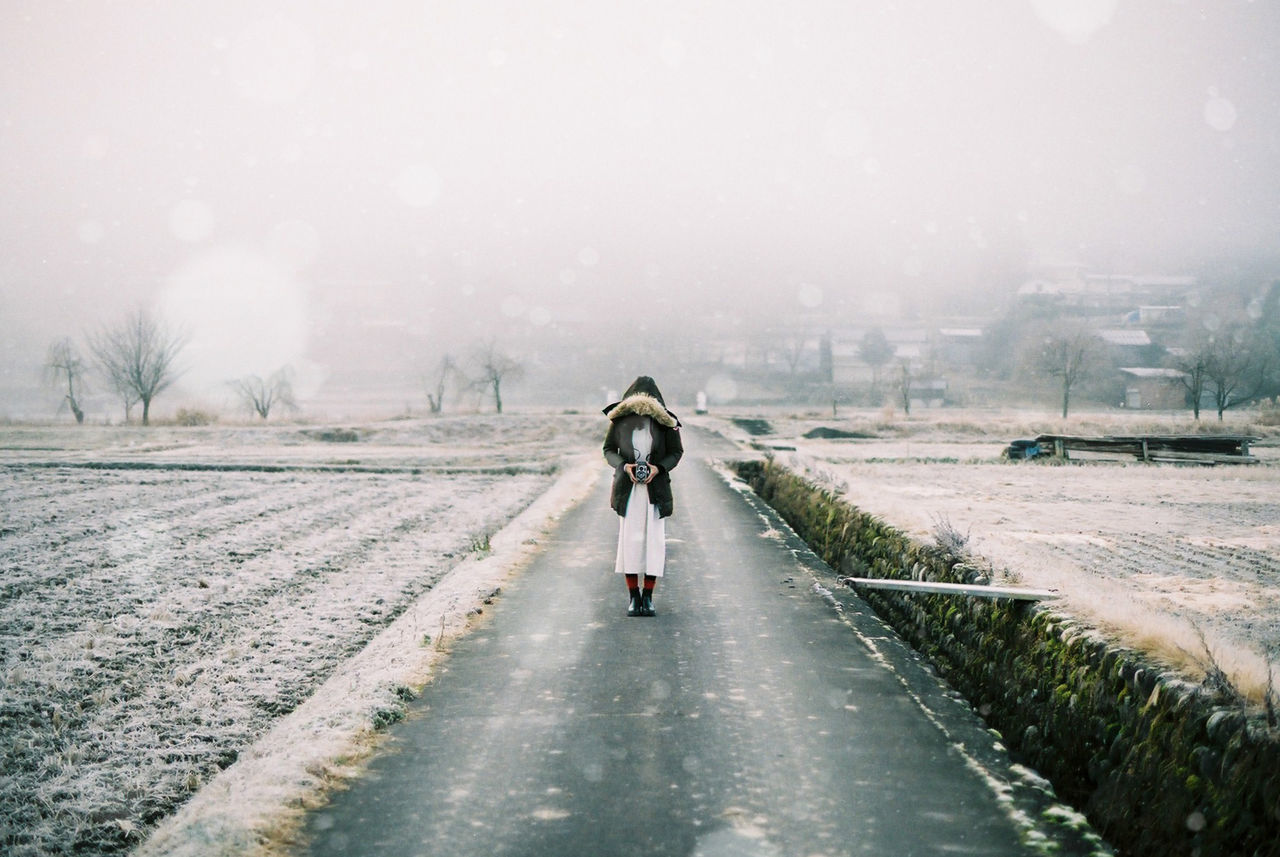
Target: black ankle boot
{"type": "Point", "coordinates": [646, 604]}
{"type": "Point", "coordinates": [636, 608]}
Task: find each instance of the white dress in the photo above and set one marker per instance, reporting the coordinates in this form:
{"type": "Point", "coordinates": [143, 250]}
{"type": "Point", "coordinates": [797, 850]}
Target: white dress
{"type": "Point", "coordinates": [642, 533]}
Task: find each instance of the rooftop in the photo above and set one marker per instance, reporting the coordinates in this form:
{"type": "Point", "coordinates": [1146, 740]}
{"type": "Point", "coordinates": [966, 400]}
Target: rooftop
{"type": "Point", "coordinates": [1125, 337]}
{"type": "Point", "coordinates": [1151, 372]}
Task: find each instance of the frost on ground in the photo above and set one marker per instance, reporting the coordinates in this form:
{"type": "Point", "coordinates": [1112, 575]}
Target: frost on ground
{"type": "Point", "coordinates": [154, 623]}
{"type": "Point", "coordinates": [1154, 553]}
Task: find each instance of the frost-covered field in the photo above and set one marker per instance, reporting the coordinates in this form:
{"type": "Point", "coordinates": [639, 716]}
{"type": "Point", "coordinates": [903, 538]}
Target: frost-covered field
{"type": "Point", "coordinates": [167, 594]}
{"type": "Point", "coordinates": [1155, 553]}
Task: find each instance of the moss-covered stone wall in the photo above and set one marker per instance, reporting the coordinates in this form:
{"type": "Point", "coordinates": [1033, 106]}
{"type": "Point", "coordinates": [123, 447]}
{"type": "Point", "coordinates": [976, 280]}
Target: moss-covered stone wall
{"type": "Point", "coordinates": [1160, 766]}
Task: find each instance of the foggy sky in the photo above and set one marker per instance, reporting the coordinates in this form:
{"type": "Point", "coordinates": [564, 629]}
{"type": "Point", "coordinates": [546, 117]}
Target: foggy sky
{"type": "Point", "coordinates": [284, 178]}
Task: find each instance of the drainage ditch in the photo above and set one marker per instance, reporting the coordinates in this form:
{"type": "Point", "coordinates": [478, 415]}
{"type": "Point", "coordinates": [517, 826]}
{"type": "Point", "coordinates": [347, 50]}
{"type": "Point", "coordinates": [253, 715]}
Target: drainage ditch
{"type": "Point", "coordinates": [1161, 766]}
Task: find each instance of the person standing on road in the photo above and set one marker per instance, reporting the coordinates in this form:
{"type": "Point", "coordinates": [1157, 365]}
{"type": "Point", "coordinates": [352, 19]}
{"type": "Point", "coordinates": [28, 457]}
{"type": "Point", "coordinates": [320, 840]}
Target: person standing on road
{"type": "Point", "coordinates": [642, 446]}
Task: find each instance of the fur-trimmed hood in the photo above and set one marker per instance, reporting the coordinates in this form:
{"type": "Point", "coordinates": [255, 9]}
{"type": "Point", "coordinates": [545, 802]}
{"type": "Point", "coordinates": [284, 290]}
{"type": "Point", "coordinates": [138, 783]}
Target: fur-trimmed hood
{"type": "Point", "coordinates": [642, 399]}
{"type": "Point", "coordinates": [644, 405]}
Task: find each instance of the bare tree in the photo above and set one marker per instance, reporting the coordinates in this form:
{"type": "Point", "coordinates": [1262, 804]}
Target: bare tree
{"type": "Point", "coordinates": [826, 361]}
{"type": "Point", "coordinates": [261, 396]}
{"type": "Point", "coordinates": [445, 369]}
{"type": "Point", "coordinates": [1070, 356]}
{"type": "Point", "coordinates": [793, 348]}
{"type": "Point", "coordinates": [904, 387]}
{"type": "Point", "coordinates": [128, 397]}
{"type": "Point", "coordinates": [65, 364]}
{"type": "Point", "coordinates": [876, 351]}
{"type": "Point", "coordinates": [1268, 339]}
{"type": "Point", "coordinates": [1231, 363]}
{"type": "Point", "coordinates": [1194, 366]}
{"type": "Point", "coordinates": [138, 356]}
{"type": "Point", "coordinates": [493, 367]}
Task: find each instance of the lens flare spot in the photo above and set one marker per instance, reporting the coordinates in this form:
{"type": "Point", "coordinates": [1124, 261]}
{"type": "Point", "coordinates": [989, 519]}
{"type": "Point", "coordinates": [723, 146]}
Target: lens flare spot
{"type": "Point", "coordinates": [243, 313]}
{"type": "Point", "coordinates": [1219, 113]}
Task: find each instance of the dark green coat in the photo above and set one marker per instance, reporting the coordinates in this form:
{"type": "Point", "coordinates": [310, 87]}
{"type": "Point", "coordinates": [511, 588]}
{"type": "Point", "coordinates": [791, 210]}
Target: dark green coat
{"type": "Point", "coordinates": [624, 418]}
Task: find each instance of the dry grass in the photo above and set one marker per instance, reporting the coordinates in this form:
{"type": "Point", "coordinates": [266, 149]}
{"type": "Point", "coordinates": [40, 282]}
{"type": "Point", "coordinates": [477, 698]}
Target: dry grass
{"type": "Point", "coordinates": [950, 540]}
{"type": "Point", "coordinates": [1269, 413]}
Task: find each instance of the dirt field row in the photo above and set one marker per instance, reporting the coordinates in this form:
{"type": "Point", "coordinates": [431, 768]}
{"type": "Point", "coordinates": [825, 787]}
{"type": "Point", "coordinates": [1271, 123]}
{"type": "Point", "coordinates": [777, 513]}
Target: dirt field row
{"type": "Point", "coordinates": [154, 623]}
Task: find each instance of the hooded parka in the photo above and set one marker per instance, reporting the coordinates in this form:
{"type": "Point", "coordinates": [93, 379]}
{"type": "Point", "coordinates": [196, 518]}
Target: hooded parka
{"type": "Point", "coordinates": [642, 400]}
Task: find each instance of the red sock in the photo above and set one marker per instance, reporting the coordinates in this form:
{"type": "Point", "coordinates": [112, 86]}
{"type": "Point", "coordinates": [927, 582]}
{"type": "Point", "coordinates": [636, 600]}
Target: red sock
{"type": "Point", "coordinates": [633, 581]}
{"type": "Point", "coordinates": [649, 582]}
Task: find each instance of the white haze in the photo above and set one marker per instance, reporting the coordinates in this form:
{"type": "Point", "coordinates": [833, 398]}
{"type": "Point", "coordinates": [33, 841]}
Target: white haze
{"type": "Point", "coordinates": [355, 188]}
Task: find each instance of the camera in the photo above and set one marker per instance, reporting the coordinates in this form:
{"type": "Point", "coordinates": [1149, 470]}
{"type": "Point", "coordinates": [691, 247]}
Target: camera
{"type": "Point", "coordinates": [641, 471]}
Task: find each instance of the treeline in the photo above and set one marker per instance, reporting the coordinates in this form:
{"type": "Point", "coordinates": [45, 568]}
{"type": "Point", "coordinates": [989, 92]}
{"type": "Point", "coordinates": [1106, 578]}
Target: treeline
{"type": "Point", "coordinates": [1226, 354]}
{"type": "Point", "coordinates": [137, 358]}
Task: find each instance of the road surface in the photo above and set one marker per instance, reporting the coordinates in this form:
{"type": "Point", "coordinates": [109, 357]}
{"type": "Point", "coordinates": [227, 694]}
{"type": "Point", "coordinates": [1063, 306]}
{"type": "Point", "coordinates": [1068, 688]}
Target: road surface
{"type": "Point", "coordinates": [751, 716]}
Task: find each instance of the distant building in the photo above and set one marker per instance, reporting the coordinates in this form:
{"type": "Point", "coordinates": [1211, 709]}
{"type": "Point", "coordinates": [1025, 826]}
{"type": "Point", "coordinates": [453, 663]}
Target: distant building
{"type": "Point", "coordinates": [929, 393]}
{"type": "Point", "coordinates": [1125, 338]}
{"type": "Point", "coordinates": [911, 353]}
{"type": "Point", "coordinates": [1151, 388]}
{"type": "Point", "coordinates": [1156, 316]}
{"type": "Point", "coordinates": [910, 345]}
{"type": "Point", "coordinates": [958, 346]}
{"type": "Point", "coordinates": [1130, 346]}
{"type": "Point", "coordinates": [1070, 286]}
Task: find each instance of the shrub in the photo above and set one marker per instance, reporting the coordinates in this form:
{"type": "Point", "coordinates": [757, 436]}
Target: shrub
{"type": "Point", "coordinates": [194, 417]}
{"type": "Point", "coordinates": [1269, 412]}
{"type": "Point", "coordinates": [334, 435]}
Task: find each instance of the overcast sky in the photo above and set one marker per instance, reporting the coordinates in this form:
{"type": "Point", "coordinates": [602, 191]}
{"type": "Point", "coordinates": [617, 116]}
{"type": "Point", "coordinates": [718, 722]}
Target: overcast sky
{"type": "Point", "coordinates": [448, 170]}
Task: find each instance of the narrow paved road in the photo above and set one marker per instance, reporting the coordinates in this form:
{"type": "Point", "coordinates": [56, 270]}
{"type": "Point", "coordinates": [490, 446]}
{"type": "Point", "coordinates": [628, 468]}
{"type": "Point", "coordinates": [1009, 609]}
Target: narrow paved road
{"type": "Point", "coordinates": [750, 717]}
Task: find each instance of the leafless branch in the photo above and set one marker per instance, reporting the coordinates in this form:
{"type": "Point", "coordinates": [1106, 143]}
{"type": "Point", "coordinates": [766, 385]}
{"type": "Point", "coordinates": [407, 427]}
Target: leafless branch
{"type": "Point", "coordinates": [138, 358]}
{"type": "Point", "coordinates": [262, 396]}
{"type": "Point", "coordinates": [65, 364]}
